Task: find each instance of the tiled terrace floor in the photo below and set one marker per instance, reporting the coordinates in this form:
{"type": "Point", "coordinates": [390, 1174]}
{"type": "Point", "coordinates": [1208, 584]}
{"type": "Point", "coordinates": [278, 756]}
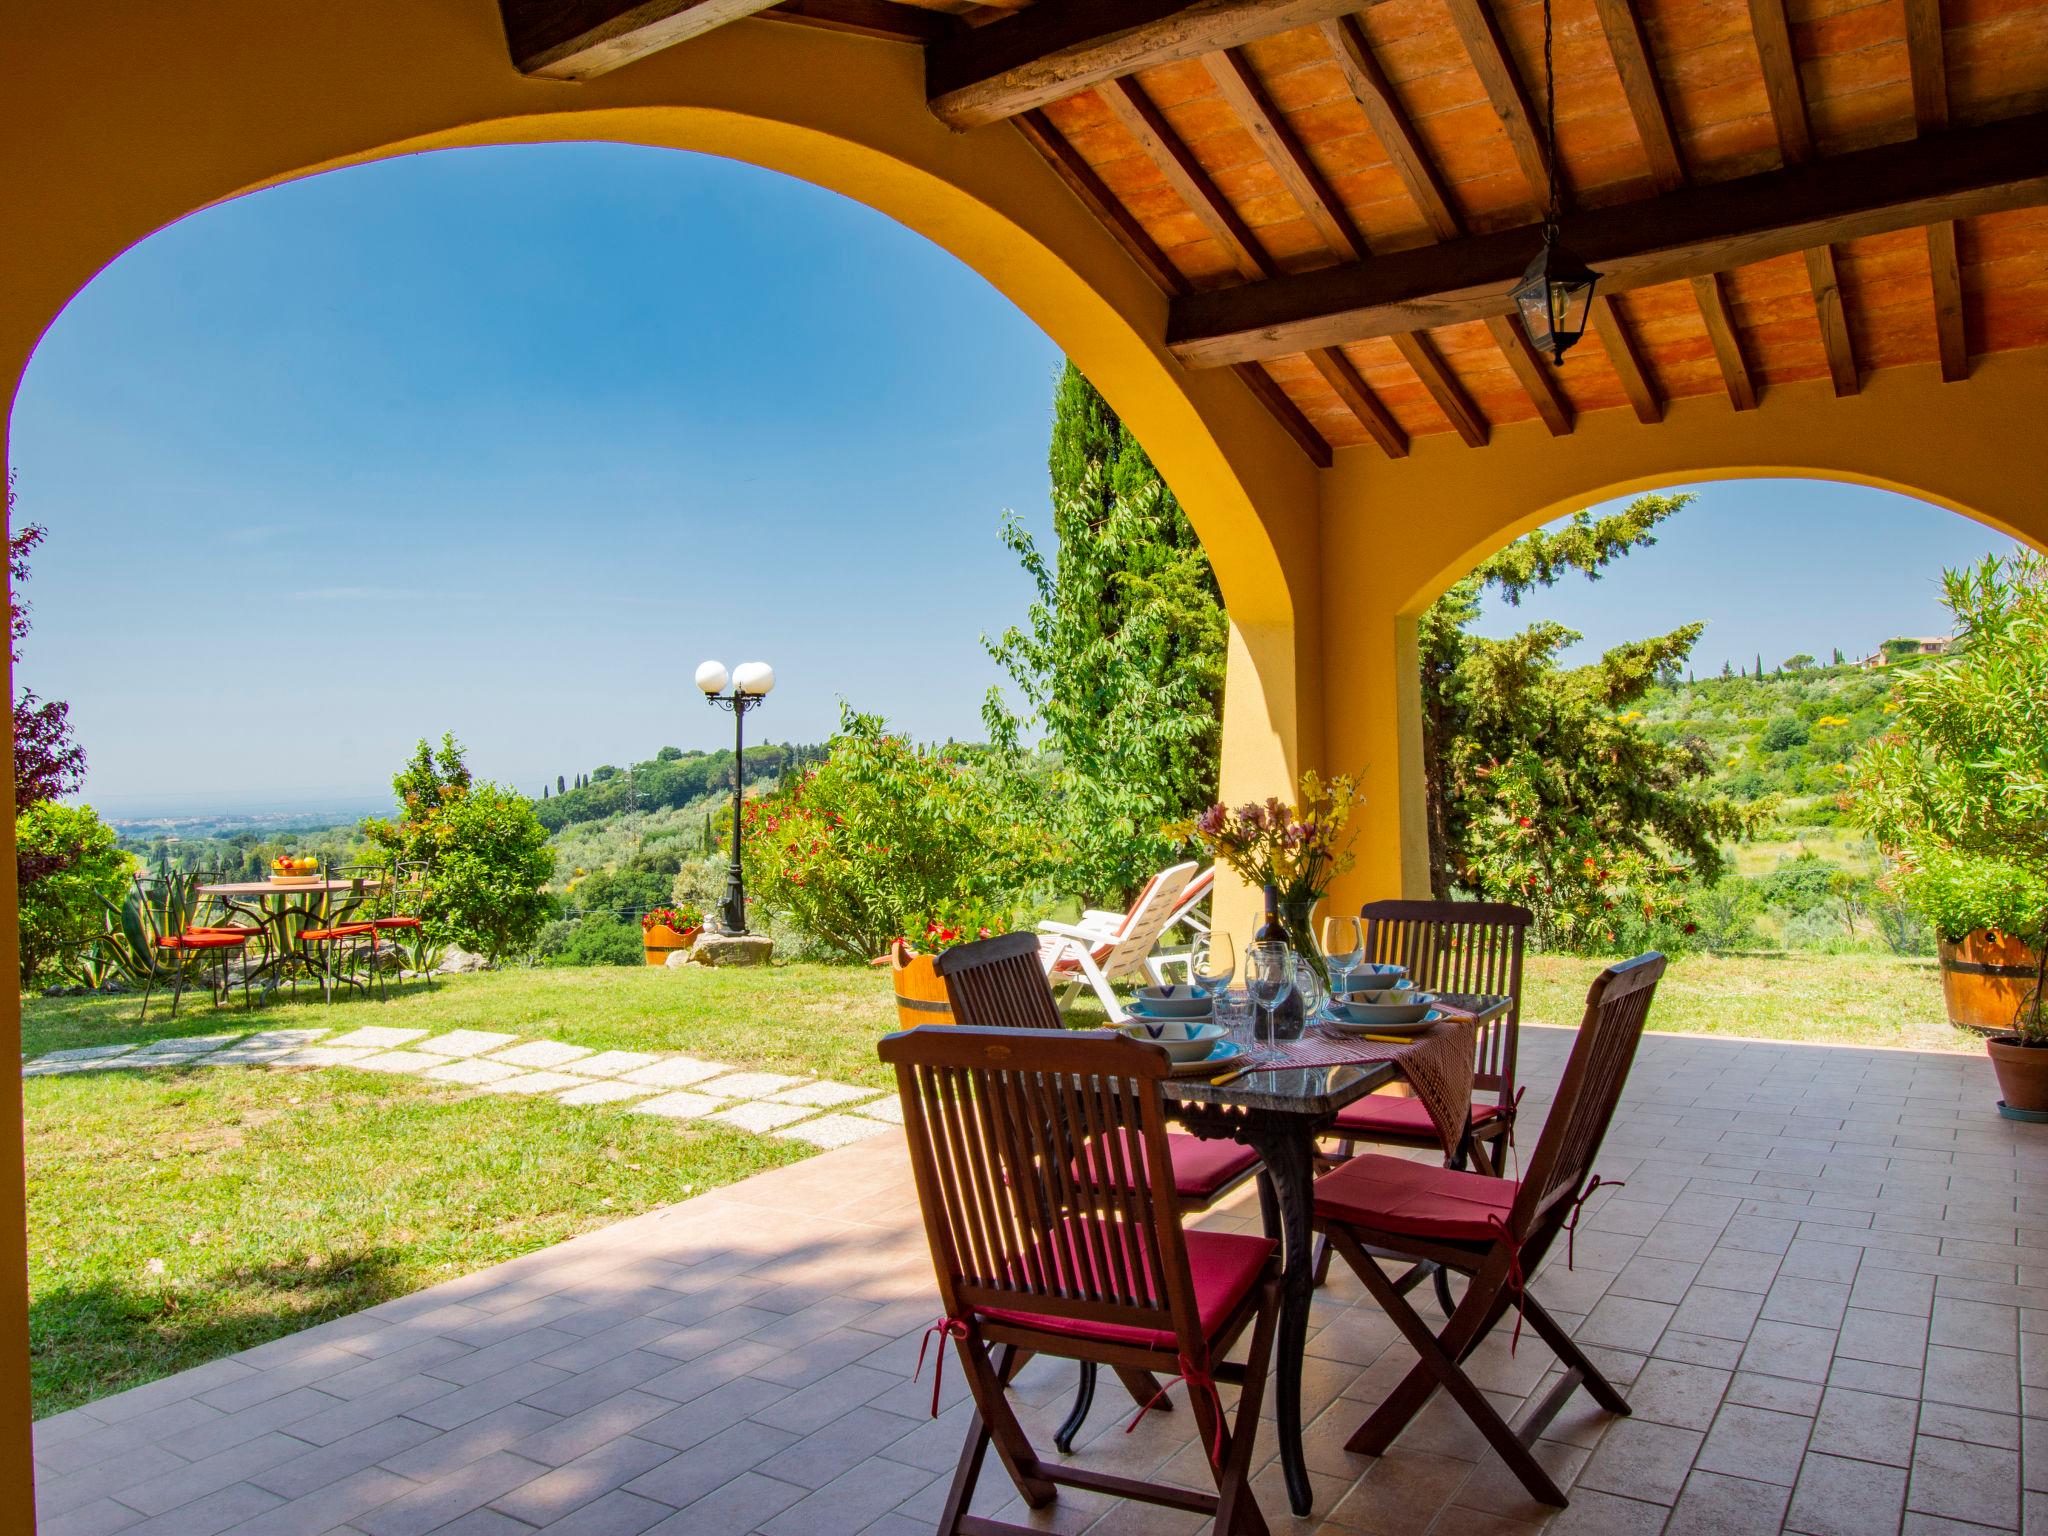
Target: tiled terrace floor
{"type": "Point", "coordinates": [1826, 1283]}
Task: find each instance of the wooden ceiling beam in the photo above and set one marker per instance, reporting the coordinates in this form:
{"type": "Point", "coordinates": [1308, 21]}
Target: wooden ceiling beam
{"type": "Point", "coordinates": [580, 39]}
{"type": "Point", "coordinates": [1082, 180]}
{"type": "Point", "coordinates": [1927, 62]}
{"type": "Point", "coordinates": [1489, 53]}
{"type": "Point", "coordinates": [1712, 299]}
{"type": "Point", "coordinates": [1832, 313]}
{"type": "Point", "coordinates": [1057, 47]}
{"type": "Point", "coordinates": [1539, 379]}
{"type": "Point", "coordinates": [881, 19]}
{"type": "Point", "coordinates": [1390, 124]}
{"type": "Point", "coordinates": [1241, 87]}
{"type": "Point", "coordinates": [1614, 335]}
{"type": "Point", "coordinates": [1421, 355]}
{"type": "Point", "coordinates": [1352, 389]}
{"type": "Point", "coordinates": [1773, 36]}
{"type": "Point", "coordinates": [1644, 90]}
{"type": "Point", "coordinates": [1989, 168]}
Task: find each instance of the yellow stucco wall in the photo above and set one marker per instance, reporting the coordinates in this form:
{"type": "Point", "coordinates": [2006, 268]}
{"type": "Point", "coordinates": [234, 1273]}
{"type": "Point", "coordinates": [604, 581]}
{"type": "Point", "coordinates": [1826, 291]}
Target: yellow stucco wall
{"type": "Point", "coordinates": [121, 119]}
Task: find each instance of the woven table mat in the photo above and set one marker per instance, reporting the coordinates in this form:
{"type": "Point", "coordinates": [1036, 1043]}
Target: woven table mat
{"type": "Point", "coordinates": [1437, 1065]}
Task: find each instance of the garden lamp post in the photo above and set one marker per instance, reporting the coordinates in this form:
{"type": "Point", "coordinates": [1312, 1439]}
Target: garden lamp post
{"type": "Point", "coordinates": [751, 682]}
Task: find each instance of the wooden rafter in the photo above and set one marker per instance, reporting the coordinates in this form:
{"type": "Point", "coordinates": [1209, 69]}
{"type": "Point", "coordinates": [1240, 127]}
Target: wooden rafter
{"type": "Point", "coordinates": [882, 19]}
{"type": "Point", "coordinates": [1781, 79]}
{"type": "Point", "coordinates": [1538, 378]}
{"type": "Point", "coordinates": [1927, 61]}
{"type": "Point", "coordinates": [1643, 88]}
{"type": "Point", "coordinates": [579, 39]}
{"type": "Point", "coordinates": [1833, 316]}
{"type": "Point", "coordinates": [1080, 176]}
{"type": "Point", "coordinates": [1628, 363]}
{"type": "Point", "coordinates": [1391, 126]}
{"type": "Point", "coordinates": [1966, 172]}
{"type": "Point", "coordinates": [1241, 87]}
{"type": "Point", "coordinates": [1727, 342]}
{"type": "Point", "coordinates": [1129, 104]}
{"type": "Point", "coordinates": [1057, 47]}
{"type": "Point", "coordinates": [1489, 53]}
{"type": "Point", "coordinates": [1421, 354]}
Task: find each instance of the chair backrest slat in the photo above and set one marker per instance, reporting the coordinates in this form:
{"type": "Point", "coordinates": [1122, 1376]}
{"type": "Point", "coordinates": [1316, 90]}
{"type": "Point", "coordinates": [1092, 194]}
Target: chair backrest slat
{"type": "Point", "coordinates": [1617, 1008]}
{"type": "Point", "coordinates": [1460, 946]}
{"type": "Point", "coordinates": [999, 983]}
{"type": "Point", "coordinates": [1029, 1148]}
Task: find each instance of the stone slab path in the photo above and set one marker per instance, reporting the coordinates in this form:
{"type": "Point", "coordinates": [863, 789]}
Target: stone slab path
{"type": "Point", "coordinates": [671, 1086]}
{"type": "Point", "coordinates": [1824, 1289]}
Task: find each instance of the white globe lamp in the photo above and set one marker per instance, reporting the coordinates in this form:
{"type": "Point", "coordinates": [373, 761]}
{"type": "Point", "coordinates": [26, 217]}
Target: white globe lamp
{"type": "Point", "coordinates": [755, 678]}
{"type": "Point", "coordinates": [711, 677]}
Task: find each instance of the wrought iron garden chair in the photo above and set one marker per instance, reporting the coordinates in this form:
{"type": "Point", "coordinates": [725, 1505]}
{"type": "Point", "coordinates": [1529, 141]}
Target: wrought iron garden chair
{"type": "Point", "coordinates": [1494, 1231]}
{"type": "Point", "coordinates": [1046, 1238]}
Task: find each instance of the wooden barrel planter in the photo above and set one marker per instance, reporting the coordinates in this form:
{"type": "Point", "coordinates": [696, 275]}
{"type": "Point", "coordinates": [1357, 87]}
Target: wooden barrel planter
{"type": "Point", "coordinates": [920, 993]}
{"type": "Point", "coordinates": [1985, 978]}
{"type": "Point", "coordinates": [661, 941]}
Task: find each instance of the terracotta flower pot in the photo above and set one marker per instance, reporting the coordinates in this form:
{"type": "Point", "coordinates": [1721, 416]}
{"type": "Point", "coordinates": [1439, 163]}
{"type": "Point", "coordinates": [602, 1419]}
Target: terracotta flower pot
{"type": "Point", "coordinates": [2022, 1072]}
{"type": "Point", "coordinates": [661, 941]}
{"type": "Point", "coordinates": [1985, 978]}
{"type": "Point", "coordinates": [920, 993]}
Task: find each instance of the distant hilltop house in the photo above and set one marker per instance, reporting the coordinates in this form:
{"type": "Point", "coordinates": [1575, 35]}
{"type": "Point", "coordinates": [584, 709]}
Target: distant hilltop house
{"type": "Point", "coordinates": [1906, 646]}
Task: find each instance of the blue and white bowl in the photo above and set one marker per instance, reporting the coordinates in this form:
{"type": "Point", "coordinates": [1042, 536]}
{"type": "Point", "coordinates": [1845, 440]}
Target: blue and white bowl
{"type": "Point", "coordinates": [1172, 1003]}
{"type": "Point", "coordinates": [1183, 1039]}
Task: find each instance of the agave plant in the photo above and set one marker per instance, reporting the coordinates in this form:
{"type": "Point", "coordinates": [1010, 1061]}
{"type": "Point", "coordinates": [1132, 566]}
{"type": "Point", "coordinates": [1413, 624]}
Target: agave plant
{"type": "Point", "coordinates": [168, 904]}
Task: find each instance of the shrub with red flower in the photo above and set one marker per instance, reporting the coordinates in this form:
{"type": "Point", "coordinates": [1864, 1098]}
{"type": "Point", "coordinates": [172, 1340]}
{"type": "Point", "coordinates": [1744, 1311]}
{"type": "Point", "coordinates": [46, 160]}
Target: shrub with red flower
{"type": "Point", "coordinates": [682, 919]}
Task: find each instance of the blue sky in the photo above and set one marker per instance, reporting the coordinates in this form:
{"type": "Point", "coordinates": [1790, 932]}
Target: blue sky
{"type": "Point", "coordinates": [506, 441]}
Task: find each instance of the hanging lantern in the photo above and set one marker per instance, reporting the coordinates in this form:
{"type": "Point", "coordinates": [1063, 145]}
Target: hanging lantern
{"type": "Point", "coordinates": [1555, 294]}
{"type": "Point", "coordinates": [1554, 297]}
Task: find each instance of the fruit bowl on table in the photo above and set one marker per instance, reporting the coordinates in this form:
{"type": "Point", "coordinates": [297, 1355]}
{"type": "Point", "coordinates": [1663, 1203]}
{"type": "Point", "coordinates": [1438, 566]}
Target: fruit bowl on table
{"type": "Point", "coordinates": [1183, 1040]}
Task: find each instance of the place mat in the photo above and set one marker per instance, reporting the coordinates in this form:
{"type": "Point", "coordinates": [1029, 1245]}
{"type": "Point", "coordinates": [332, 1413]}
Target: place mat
{"type": "Point", "coordinates": [1437, 1065]}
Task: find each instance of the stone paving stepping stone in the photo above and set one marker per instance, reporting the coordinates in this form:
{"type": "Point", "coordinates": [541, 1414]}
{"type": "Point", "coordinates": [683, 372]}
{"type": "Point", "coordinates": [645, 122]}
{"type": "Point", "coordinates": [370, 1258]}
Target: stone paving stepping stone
{"type": "Point", "coordinates": [679, 1106]}
{"type": "Point", "coordinates": [835, 1130]}
{"type": "Point", "coordinates": [398, 1061]}
{"type": "Point", "coordinates": [379, 1036]}
{"type": "Point", "coordinates": [601, 1093]}
{"type": "Point", "coordinates": [67, 1068]}
{"type": "Point", "coordinates": [749, 1085]}
{"type": "Point", "coordinates": [760, 1117]}
{"type": "Point", "coordinates": [677, 1072]}
{"type": "Point", "coordinates": [465, 1042]}
{"type": "Point", "coordinates": [83, 1053]}
{"type": "Point", "coordinates": [542, 1053]}
{"type": "Point", "coordinates": [889, 1109]}
{"type": "Point", "coordinates": [615, 1063]}
{"type": "Point", "coordinates": [242, 1056]}
{"type": "Point", "coordinates": [536, 1082]}
{"type": "Point", "coordinates": [824, 1095]}
{"type": "Point", "coordinates": [467, 1071]}
{"type": "Point", "coordinates": [324, 1056]}
{"type": "Point", "coordinates": [185, 1045]}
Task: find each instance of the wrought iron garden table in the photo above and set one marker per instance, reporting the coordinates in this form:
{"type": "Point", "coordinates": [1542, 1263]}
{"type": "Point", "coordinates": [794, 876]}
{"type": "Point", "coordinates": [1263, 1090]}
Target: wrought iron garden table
{"type": "Point", "coordinates": [1279, 1115]}
{"type": "Point", "coordinates": [282, 910]}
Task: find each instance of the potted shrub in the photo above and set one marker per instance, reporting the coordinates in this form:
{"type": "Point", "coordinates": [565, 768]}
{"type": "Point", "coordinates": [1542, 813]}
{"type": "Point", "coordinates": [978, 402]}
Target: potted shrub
{"type": "Point", "coordinates": [1957, 794]}
{"type": "Point", "coordinates": [920, 991]}
{"type": "Point", "coordinates": [1988, 916]}
{"type": "Point", "coordinates": [668, 929]}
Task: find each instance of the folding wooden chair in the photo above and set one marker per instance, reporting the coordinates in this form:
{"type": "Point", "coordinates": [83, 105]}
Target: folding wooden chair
{"type": "Point", "coordinates": [1445, 946]}
{"type": "Point", "coordinates": [998, 983]}
{"type": "Point", "coordinates": [1047, 1239]}
{"type": "Point", "coordinates": [1492, 1231]}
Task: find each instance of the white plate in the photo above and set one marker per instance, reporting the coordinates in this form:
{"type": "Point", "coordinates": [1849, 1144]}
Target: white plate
{"type": "Point", "coordinates": [1219, 1060]}
{"type": "Point", "coordinates": [1413, 1027]}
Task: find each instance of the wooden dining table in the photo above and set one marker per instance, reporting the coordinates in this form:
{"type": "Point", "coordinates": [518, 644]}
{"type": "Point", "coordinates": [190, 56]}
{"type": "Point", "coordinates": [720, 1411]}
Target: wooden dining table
{"type": "Point", "coordinates": [283, 908]}
{"type": "Point", "coordinates": [1280, 1115]}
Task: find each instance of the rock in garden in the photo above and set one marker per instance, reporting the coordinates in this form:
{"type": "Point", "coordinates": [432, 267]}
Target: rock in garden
{"type": "Point", "coordinates": [458, 961]}
{"type": "Point", "coordinates": [732, 949]}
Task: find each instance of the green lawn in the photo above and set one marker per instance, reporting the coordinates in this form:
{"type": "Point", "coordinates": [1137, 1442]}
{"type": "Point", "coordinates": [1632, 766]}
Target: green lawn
{"type": "Point", "coordinates": [185, 1214]}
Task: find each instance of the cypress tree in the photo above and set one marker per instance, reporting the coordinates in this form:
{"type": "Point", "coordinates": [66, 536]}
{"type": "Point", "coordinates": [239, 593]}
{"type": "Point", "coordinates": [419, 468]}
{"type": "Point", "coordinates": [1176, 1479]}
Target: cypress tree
{"type": "Point", "coordinates": [560, 787]}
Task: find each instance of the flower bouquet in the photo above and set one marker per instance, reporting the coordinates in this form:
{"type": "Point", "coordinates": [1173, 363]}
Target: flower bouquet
{"type": "Point", "coordinates": [1296, 849]}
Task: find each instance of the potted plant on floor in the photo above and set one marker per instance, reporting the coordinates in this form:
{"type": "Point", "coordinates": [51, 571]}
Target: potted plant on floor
{"type": "Point", "coordinates": [920, 991]}
{"type": "Point", "coordinates": [666, 930]}
{"type": "Point", "coordinates": [1957, 794]}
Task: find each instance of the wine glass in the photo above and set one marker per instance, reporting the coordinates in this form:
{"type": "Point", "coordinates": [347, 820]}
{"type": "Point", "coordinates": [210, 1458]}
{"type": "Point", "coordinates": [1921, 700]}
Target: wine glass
{"type": "Point", "coordinates": [1269, 977]}
{"type": "Point", "coordinates": [1343, 945]}
{"type": "Point", "coordinates": [1212, 963]}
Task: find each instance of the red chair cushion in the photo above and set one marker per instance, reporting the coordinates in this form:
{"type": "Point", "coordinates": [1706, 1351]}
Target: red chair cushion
{"type": "Point", "coordinates": [200, 938]}
{"type": "Point", "coordinates": [1203, 1167]}
{"type": "Point", "coordinates": [395, 922]}
{"type": "Point", "coordinates": [1224, 1267]}
{"type": "Point", "coordinates": [1381, 1114]}
{"type": "Point", "coordinates": [348, 931]}
{"type": "Point", "coordinates": [1419, 1199]}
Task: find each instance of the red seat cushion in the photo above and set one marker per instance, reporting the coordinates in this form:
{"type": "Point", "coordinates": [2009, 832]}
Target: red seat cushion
{"type": "Point", "coordinates": [1381, 1114]}
{"type": "Point", "coordinates": [201, 940]}
{"type": "Point", "coordinates": [348, 931]}
{"type": "Point", "coordinates": [242, 930]}
{"type": "Point", "coordinates": [1224, 1267]}
{"type": "Point", "coordinates": [1203, 1167]}
{"type": "Point", "coordinates": [396, 922]}
{"type": "Point", "coordinates": [1419, 1199]}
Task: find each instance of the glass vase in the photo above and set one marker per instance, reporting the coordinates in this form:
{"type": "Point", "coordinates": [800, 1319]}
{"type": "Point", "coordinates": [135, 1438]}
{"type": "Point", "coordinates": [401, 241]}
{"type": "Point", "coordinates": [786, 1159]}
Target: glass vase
{"type": "Point", "coordinates": [1298, 917]}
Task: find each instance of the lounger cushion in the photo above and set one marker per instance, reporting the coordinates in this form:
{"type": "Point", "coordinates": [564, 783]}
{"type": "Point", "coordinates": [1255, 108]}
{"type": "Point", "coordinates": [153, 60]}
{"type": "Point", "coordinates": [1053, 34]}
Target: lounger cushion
{"type": "Point", "coordinates": [1381, 1114]}
{"type": "Point", "coordinates": [1392, 1194]}
{"type": "Point", "coordinates": [1223, 1265]}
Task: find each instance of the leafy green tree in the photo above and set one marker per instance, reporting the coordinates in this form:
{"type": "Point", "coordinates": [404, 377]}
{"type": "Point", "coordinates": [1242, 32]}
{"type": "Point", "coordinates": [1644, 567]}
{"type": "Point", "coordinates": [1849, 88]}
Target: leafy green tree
{"type": "Point", "coordinates": [1799, 663]}
{"type": "Point", "coordinates": [84, 870]}
{"type": "Point", "coordinates": [484, 851]}
{"type": "Point", "coordinates": [597, 939]}
{"type": "Point", "coordinates": [1543, 784]}
{"type": "Point", "coordinates": [1958, 792]}
{"type": "Point", "coordinates": [1120, 659]}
